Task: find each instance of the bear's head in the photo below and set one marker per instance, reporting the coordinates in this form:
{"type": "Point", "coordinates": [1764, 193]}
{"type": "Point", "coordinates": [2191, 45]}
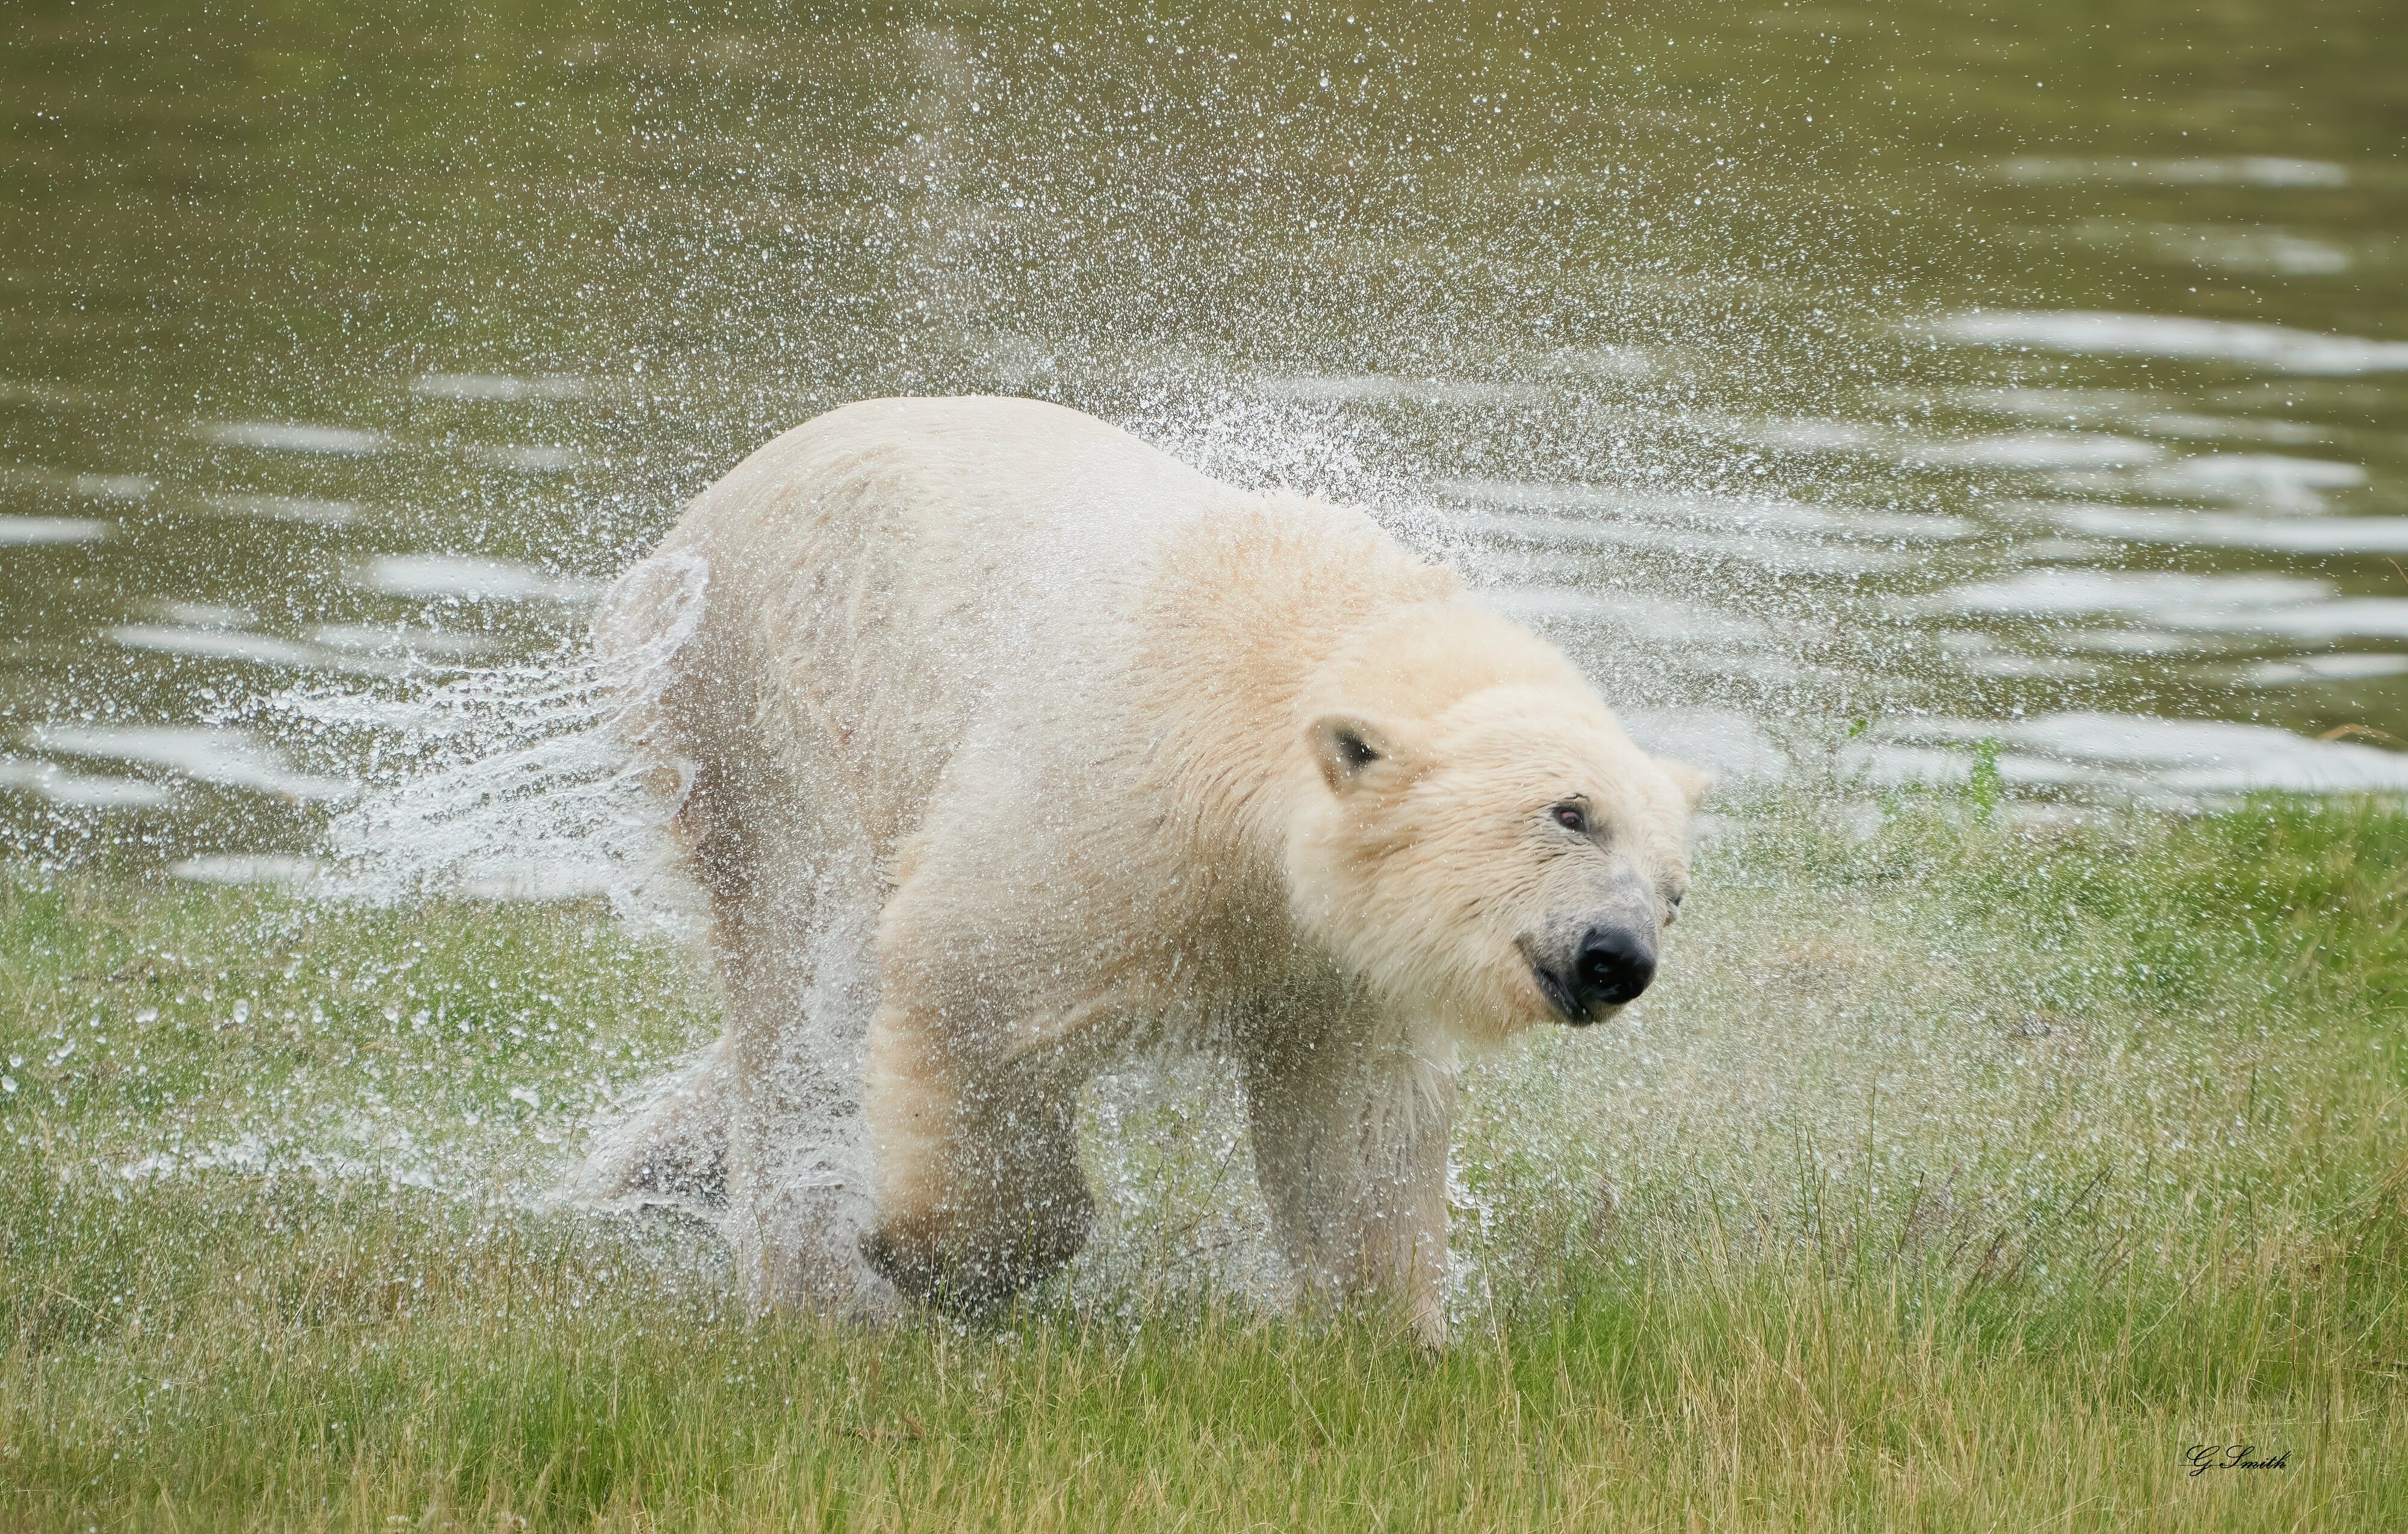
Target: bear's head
{"type": "Point", "coordinates": [1479, 843]}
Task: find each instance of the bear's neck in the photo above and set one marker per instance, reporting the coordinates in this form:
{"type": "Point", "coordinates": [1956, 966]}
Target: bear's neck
{"type": "Point", "coordinates": [1242, 611]}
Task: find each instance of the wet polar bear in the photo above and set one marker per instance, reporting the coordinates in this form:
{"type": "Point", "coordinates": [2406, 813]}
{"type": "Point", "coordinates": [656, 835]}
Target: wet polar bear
{"type": "Point", "coordinates": [1006, 745]}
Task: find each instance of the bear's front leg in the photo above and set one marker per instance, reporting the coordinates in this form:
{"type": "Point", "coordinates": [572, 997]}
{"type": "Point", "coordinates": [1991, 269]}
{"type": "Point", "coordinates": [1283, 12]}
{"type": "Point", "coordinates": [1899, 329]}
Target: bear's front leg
{"type": "Point", "coordinates": [979, 1194]}
{"type": "Point", "coordinates": [1351, 1146]}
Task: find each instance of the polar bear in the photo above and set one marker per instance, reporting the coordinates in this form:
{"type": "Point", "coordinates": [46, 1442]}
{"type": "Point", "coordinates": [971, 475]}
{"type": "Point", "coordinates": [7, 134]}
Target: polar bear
{"type": "Point", "coordinates": [1003, 746]}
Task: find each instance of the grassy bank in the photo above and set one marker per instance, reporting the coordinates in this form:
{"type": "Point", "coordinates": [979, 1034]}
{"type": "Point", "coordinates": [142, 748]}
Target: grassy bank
{"type": "Point", "coordinates": [1959, 1177]}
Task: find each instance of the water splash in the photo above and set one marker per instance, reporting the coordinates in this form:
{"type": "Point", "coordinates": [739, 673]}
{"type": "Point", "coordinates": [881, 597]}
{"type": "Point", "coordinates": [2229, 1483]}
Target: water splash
{"type": "Point", "coordinates": [517, 781]}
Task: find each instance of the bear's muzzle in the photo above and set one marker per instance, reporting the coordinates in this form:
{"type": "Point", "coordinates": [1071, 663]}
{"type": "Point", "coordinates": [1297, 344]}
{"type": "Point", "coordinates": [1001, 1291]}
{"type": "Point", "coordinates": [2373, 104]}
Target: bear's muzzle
{"type": "Point", "coordinates": [1609, 964]}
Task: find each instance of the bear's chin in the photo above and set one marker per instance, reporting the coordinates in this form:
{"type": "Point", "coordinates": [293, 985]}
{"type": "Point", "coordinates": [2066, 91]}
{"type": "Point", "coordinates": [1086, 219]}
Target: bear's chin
{"type": "Point", "coordinates": [1492, 1021]}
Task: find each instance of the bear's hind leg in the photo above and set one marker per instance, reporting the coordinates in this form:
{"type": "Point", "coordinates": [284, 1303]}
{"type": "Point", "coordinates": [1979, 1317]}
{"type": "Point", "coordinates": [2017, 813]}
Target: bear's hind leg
{"type": "Point", "coordinates": [979, 1194]}
{"type": "Point", "coordinates": [800, 993]}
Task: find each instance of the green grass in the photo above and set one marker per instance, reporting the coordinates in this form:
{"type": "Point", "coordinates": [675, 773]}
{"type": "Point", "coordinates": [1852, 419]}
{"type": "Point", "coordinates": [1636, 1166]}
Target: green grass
{"type": "Point", "coordinates": [1962, 1175]}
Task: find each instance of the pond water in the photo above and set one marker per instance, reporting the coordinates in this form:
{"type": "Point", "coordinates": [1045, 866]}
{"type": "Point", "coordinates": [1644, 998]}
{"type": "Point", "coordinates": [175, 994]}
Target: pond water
{"type": "Point", "coordinates": [1871, 389]}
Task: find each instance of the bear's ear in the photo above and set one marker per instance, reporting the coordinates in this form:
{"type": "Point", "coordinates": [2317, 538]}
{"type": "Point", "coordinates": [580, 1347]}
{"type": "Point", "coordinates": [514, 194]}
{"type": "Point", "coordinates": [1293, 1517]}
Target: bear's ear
{"type": "Point", "coordinates": [1693, 784]}
{"type": "Point", "coordinates": [1349, 750]}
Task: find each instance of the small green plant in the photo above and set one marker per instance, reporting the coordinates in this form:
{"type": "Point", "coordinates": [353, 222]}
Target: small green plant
{"type": "Point", "coordinates": [1983, 786]}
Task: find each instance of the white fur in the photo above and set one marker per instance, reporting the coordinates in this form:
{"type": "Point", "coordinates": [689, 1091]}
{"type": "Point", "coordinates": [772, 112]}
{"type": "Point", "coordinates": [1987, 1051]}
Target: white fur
{"type": "Point", "coordinates": [1007, 745]}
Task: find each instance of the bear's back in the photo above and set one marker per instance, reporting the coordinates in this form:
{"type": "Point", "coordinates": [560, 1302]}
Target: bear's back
{"type": "Point", "coordinates": [895, 574]}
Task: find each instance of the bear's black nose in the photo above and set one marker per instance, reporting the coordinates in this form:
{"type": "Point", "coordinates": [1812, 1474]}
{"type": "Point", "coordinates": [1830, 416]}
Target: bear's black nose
{"type": "Point", "coordinates": [1613, 966]}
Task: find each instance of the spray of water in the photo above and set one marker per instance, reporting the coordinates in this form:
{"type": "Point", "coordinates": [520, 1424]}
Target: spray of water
{"type": "Point", "coordinates": [521, 781]}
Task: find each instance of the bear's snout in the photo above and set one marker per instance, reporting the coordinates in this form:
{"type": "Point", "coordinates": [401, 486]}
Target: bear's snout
{"type": "Point", "coordinates": [1613, 965]}
{"type": "Point", "coordinates": [1609, 964]}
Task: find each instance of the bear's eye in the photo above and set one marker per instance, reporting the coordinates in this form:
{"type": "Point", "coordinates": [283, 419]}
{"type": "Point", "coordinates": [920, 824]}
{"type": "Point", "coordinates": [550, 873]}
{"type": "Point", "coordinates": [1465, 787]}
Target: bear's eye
{"type": "Point", "coordinates": [1571, 817]}
{"type": "Point", "coordinates": [1356, 750]}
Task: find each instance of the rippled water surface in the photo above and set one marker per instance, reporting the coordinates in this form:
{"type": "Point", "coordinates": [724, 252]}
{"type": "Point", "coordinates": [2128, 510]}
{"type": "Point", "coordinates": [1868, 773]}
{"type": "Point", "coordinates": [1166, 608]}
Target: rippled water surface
{"type": "Point", "coordinates": [1881, 390]}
